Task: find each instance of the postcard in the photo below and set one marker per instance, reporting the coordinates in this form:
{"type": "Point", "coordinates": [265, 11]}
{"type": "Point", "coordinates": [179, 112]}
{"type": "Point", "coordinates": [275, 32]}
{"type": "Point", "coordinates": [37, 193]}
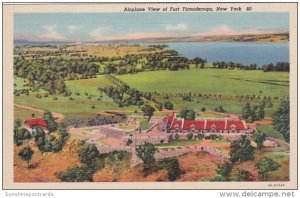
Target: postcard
{"type": "Point", "coordinates": [150, 96]}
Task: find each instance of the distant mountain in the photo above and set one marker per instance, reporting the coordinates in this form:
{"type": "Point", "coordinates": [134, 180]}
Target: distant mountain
{"type": "Point", "coordinates": [272, 37]}
{"type": "Point", "coordinates": [278, 37]}
{"type": "Point", "coordinates": [27, 42]}
{"type": "Point", "coordinates": [22, 42]}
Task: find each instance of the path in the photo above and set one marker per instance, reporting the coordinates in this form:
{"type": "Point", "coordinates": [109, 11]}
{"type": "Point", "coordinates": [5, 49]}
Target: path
{"type": "Point", "coordinates": [58, 116]}
{"type": "Point", "coordinates": [279, 142]}
{"type": "Point", "coordinates": [265, 121]}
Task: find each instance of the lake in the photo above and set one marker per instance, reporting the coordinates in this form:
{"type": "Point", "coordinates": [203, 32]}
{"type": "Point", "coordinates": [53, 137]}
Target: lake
{"type": "Point", "coordinates": [241, 52]}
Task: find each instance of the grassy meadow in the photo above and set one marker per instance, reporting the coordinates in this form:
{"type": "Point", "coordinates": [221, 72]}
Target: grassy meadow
{"type": "Point", "coordinates": [24, 114]}
{"type": "Point", "coordinates": [270, 131]}
{"type": "Point", "coordinates": [79, 105]}
{"type": "Point", "coordinates": [210, 82]}
{"type": "Point", "coordinates": [213, 82]}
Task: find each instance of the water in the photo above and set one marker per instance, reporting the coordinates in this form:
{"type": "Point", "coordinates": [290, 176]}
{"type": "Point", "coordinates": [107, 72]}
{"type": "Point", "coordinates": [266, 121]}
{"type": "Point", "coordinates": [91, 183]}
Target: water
{"type": "Point", "coordinates": [241, 52]}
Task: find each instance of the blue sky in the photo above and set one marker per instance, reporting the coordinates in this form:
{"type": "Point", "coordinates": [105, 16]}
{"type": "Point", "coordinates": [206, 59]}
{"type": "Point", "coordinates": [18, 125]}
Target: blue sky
{"type": "Point", "coordinates": [109, 26]}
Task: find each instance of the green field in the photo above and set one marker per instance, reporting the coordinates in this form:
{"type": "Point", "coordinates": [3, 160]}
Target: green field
{"type": "Point", "coordinates": [211, 115]}
{"type": "Point", "coordinates": [24, 114]}
{"type": "Point", "coordinates": [80, 105]}
{"type": "Point", "coordinates": [270, 131]}
{"type": "Point", "coordinates": [217, 87]}
{"type": "Point", "coordinates": [211, 81]}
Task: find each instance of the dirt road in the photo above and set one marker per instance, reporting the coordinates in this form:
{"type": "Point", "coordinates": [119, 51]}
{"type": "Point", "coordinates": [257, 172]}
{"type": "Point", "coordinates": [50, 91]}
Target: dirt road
{"type": "Point", "coordinates": [58, 116]}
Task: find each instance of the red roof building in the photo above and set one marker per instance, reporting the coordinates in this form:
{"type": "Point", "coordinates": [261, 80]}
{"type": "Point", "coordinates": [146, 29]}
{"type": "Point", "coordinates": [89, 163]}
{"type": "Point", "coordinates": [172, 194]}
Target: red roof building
{"type": "Point", "coordinates": [176, 124]}
{"type": "Point", "coordinates": [36, 122]}
{"type": "Point", "coordinates": [193, 125]}
{"type": "Point", "coordinates": [205, 124]}
{"type": "Point", "coordinates": [235, 125]}
{"type": "Point", "coordinates": [215, 125]}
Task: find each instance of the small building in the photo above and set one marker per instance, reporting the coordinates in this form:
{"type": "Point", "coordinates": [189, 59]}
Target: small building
{"type": "Point", "coordinates": [34, 123]}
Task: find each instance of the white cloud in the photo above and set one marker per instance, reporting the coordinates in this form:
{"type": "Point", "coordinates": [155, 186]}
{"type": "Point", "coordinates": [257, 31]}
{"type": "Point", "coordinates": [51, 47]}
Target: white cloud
{"type": "Point", "coordinates": [72, 28]}
{"type": "Point", "coordinates": [50, 33]}
{"type": "Point", "coordinates": [99, 31]}
{"type": "Point", "coordinates": [177, 27]}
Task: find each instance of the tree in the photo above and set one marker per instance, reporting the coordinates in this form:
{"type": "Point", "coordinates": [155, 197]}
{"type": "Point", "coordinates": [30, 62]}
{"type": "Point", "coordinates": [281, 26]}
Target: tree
{"type": "Point", "coordinates": [241, 150]}
{"type": "Point", "coordinates": [253, 114]}
{"type": "Point", "coordinates": [23, 134]}
{"type": "Point", "coordinates": [39, 137]}
{"type": "Point", "coordinates": [148, 110]}
{"type": "Point", "coordinates": [146, 154]}
{"type": "Point", "coordinates": [52, 125]}
{"type": "Point", "coordinates": [246, 110]}
{"type": "Point", "coordinates": [200, 136]}
{"type": "Point", "coordinates": [268, 67]}
{"type": "Point", "coordinates": [219, 108]}
{"type": "Point", "coordinates": [249, 113]}
{"type": "Point", "coordinates": [26, 155]}
{"type": "Point", "coordinates": [17, 125]}
{"type": "Point", "coordinates": [188, 114]}
{"type": "Point", "coordinates": [240, 175]}
{"type": "Point", "coordinates": [265, 166]}
{"type": "Point", "coordinates": [89, 155]}
{"type": "Point", "coordinates": [62, 128]}
{"type": "Point", "coordinates": [223, 171]}
{"type": "Point", "coordinates": [189, 136]}
{"type": "Point", "coordinates": [168, 105]}
{"type": "Point", "coordinates": [191, 115]}
{"type": "Point", "coordinates": [60, 86]}
{"type": "Point", "coordinates": [281, 120]}
{"type": "Point", "coordinates": [159, 106]}
{"type": "Point", "coordinates": [114, 159]}
{"type": "Point", "coordinates": [261, 111]}
{"type": "Point", "coordinates": [259, 137]}
{"type": "Point", "coordinates": [173, 168]}
{"type": "Point", "coordinates": [198, 61]}
{"type": "Point", "coordinates": [79, 174]}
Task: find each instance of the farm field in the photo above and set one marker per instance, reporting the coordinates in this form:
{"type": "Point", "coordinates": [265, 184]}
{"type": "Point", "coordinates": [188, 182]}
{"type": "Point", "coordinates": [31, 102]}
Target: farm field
{"type": "Point", "coordinates": [23, 114]}
{"type": "Point", "coordinates": [79, 105]}
{"type": "Point", "coordinates": [112, 50]}
{"type": "Point", "coordinates": [213, 83]}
